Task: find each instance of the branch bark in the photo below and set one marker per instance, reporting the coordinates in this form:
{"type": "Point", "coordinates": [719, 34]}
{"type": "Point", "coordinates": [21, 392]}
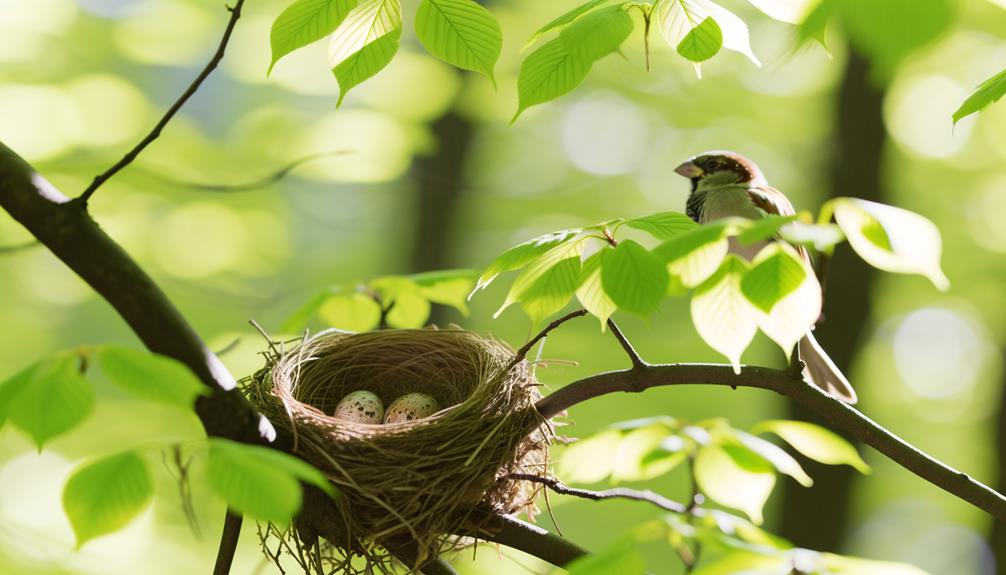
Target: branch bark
{"type": "Point", "coordinates": [835, 412]}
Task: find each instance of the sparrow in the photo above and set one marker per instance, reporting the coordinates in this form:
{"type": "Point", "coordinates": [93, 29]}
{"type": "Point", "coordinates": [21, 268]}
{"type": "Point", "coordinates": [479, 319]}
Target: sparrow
{"type": "Point", "coordinates": [727, 184]}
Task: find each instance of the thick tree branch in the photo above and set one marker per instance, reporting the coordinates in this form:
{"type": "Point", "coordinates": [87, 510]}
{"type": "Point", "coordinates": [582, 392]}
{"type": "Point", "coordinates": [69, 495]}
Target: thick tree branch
{"type": "Point", "coordinates": [533, 540]}
{"type": "Point", "coordinates": [156, 132]}
{"type": "Point", "coordinates": [228, 543]}
{"type": "Point", "coordinates": [839, 414]}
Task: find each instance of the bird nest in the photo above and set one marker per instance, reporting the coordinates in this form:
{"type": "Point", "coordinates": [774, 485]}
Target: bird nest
{"type": "Point", "coordinates": [418, 480]}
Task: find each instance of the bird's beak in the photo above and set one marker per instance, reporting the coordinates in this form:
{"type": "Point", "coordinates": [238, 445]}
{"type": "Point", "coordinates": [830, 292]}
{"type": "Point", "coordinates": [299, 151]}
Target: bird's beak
{"type": "Point", "coordinates": [689, 170]}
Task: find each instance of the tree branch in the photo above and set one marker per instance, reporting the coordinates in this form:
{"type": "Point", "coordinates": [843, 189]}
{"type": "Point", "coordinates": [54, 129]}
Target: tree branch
{"type": "Point", "coordinates": [156, 132]}
{"type": "Point", "coordinates": [522, 352]}
{"type": "Point", "coordinates": [561, 488]}
{"type": "Point", "coordinates": [634, 357]}
{"type": "Point", "coordinates": [228, 543]}
{"type": "Point", "coordinates": [533, 540]}
{"type": "Point", "coordinates": [839, 414]}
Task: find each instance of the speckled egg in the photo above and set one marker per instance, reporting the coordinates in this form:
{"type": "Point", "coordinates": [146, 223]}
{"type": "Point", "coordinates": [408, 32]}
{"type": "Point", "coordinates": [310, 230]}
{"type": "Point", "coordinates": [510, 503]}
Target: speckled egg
{"type": "Point", "coordinates": [411, 406]}
{"type": "Point", "coordinates": [360, 407]}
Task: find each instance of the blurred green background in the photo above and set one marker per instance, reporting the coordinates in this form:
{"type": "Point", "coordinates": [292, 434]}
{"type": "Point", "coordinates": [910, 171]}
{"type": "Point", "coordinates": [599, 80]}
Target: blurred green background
{"type": "Point", "coordinates": [433, 177]}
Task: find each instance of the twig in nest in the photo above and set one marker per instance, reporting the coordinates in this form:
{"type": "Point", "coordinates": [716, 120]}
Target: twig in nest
{"type": "Point", "coordinates": [615, 493]}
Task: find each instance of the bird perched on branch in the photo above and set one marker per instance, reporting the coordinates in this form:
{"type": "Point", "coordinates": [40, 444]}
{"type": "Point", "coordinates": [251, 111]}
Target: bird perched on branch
{"type": "Point", "coordinates": [726, 184]}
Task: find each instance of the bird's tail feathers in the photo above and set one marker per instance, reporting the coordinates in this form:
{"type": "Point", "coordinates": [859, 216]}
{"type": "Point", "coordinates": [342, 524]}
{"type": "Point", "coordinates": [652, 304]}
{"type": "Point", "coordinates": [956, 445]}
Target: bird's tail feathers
{"type": "Point", "coordinates": [823, 372]}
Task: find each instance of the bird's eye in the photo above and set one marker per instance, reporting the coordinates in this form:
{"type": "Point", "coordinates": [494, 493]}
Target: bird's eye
{"type": "Point", "coordinates": [714, 165]}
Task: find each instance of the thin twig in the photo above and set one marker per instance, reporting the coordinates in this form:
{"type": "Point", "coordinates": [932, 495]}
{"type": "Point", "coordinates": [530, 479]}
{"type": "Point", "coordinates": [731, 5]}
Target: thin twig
{"type": "Point", "coordinates": [228, 543]}
{"type": "Point", "coordinates": [637, 361]}
{"type": "Point", "coordinates": [156, 132]}
{"type": "Point", "coordinates": [695, 499]}
{"type": "Point", "coordinates": [522, 352]}
{"type": "Point", "coordinates": [561, 488]}
{"type": "Point", "coordinates": [252, 185]}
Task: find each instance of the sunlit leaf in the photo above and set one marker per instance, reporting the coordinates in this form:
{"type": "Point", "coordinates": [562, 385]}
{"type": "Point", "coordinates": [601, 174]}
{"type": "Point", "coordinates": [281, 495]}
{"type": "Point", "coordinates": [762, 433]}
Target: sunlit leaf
{"type": "Point", "coordinates": [822, 237]}
{"type": "Point", "coordinates": [775, 273]}
{"type": "Point", "coordinates": [746, 562]}
{"type": "Point", "coordinates": [564, 19]}
{"type": "Point", "coordinates": [684, 24]}
{"type": "Point", "coordinates": [814, 25]}
{"type": "Point", "coordinates": [351, 311]}
{"type": "Point", "coordinates": [597, 34]}
{"type": "Point", "coordinates": [989, 91]}
{"type": "Point", "coordinates": [635, 279]}
{"type": "Point", "coordinates": [892, 239]}
{"type": "Point", "coordinates": [841, 565]}
{"type": "Point", "coordinates": [787, 293]}
{"type": "Point", "coordinates": [547, 73]}
{"type": "Point", "coordinates": [105, 495]}
{"type": "Point", "coordinates": [50, 399]}
{"type": "Point", "coordinates": [305, 22]}
{"type": "Point", "coordinates": [523, 254]}
{"type": "Point", "coordinates": [782, 461]}
{"type": "Point", "coordinates": [258, 481]}
{"type": "Point", "coordinates": [299, 318]}
{"type": "Point", "coordinates": [589, 460]}
{"type": "Point", "coordinates": [763, 229]}
{"type": "Point", "coordinates": [365, 24]}
{"type": "Point", "coordinates": [664, 225]}
{"type": "Point", "coordinates": [410, 310]}
{"type": "Point", "coordinates": [365, 62]}
{"type": "Point", "coordinates": [736, 477]}
{"type": "Point", "coordinates": [460, 32]}
{"type": "Point", "coordinates": [150, 376]}
{"type": "Point", "coordinates": [630, 463]}
{"type": "Point", "coordinates": [724, 318]}
{"type": "Point", "coordinates": [815, 442]}
{"type": "Point", "coordinates": [694, 256]}
{"type": "Point", "coordinates": [591, 292]}
{"type": "Point", "coordinates": [549, 279]}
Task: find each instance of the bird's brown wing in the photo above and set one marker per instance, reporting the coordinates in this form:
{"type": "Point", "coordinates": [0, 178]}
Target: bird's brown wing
{"type": "Point", "coordinates": [775, 203]}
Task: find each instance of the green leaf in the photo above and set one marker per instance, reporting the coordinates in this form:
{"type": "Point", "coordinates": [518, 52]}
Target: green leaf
{"type": "Point", "coordinates": [105, 495]}
{"type": "Point", "coordinates": [822, 237]}
{"type": "Point", "coordinates": [989, 91]}
{"type": "Point", "coordinates": [460, 32]}
{"type": "Point", "coordinates": [305, 22]}
{"type": "Point", "coordinates": [840, 565]}
{"type": "Point", "coordinates": [630, 461]}
{"type": "Point", "coordinates": [547, 73]}
{"type": "Point", "coordinates": [563, 20]}
{"type": "Point", "coordinates": [446, 287]}
{"type": "Point", "coordinates": [664, 225]}
{"type": "Point", "coordinates": [259, 481]}
{"type": "Point", "coordinates": [815, 442]}
{"type": "Point", "coordinates": [365, 63]}
{"type": "Point", "coordinates": [548, 283]}
{"type": "Point", "coordinates": [785, 284]}
{"type": "Point", "coordinates": [734, 476]}
{"type": "Point", "coordinates": [11, 386]}
{"type": "Point", "coordinates": [351, 311]}
{"type": "Point", "coordinates": [701, 42]}
{"type": "Point", "coordinates": [370, 21]}
{"type": "Point", "coordinates": [150, 376]}
{"type": "Point", "coordinates": [694, 256]}
{"type": "Point", "coordinates": [410, 310]}
{"type": "Point", "coordinates": [814, 25]}
{"type": "Point", "coordinates": [776, 274]}
{"type": "Point", "coordinates": [591, 291]}
{"type": "Point", "coordinates": [620, 558]}
{"type": "Point", "coordinates": [53, 399]}
{"type": "Point", "coordinates": [891, 238]}
{"type": "Point", "coordinates": [635, 279]}
{"type": "Point", "coordinates": [597, 34]}
{"type": "Point", "coordinates": [724, 318]}
{"type": "Point", "coordinates": [685, 25]}
{"type": "Point", "coordinates": [523, 254]}
{"type": "Point", "coordinates": [782, 461]}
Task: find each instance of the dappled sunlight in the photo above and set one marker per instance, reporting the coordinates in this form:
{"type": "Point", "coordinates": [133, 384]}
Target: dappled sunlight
{"type": "Point", "coordinates": [112, 109]}
{"type": "Point", "coordinates": [381, 147]}
{"type": "Point", "coordinates": [40, 121]}
{"type": "Point", "coordinates": [938, 353]}
{"type": "Point", "coordinates": [604, 134]}
{"type": "Point", "coordinates": [916, 115]}
{"type": "Point", "coordinates": [141, 34]}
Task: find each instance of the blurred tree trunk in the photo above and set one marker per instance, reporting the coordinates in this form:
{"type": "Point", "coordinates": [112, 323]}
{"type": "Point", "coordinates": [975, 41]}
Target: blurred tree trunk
{"type": "Point", "coordinates": [817, 518]}
{"type": "Point", "coordinates": [997, 534]}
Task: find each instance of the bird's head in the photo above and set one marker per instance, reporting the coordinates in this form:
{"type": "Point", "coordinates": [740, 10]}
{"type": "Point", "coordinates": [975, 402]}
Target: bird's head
{"type": "Point", "coordinates": [720, 168]}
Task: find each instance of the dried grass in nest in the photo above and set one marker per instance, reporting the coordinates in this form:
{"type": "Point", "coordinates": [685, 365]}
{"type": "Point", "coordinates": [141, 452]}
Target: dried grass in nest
{"type": "Point", "coordinates": [418, 479]}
